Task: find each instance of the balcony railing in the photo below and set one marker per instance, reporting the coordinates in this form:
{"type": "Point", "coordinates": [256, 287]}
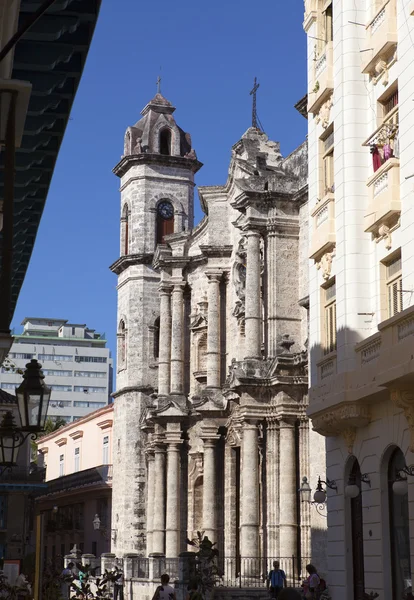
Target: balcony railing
{"type": "Point", "coordinates": [323, 235]}
{"type": "Point", "coordinates": [381, 36]}
{"type": "Point", "coordinates": [384, 204]}
{"type": "Point", "coordinates": [95, 475]}
{"type": "Point", "coordinates": [321, 85]}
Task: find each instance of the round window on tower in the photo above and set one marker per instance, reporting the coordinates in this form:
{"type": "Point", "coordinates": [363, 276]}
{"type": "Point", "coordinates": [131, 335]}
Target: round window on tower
{"type": "Point", "coordinates": [166, 210]}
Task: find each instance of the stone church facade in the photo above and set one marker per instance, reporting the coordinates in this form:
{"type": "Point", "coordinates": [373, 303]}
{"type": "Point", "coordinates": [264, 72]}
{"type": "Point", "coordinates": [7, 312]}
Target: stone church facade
{"type": "Point", "coordinates": [210, 425]}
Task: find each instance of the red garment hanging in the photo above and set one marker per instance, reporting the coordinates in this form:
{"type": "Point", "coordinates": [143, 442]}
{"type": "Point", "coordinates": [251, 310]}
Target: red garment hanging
{"type": "Point", "coordinates": [376, 158]}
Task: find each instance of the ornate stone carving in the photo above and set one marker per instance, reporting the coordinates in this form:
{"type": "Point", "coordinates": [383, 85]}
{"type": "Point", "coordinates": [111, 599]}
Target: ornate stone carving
{"type": "Point", "coordinates": [404, 398]}
{"type": "Point", "coordinates": [384, 233]}
{"type": "Point", "coordinates": [349, 435]}
{"type": "Point", "coordinates": [381, 71]}
{"type": "Point", "coordinates": [324, 115]}
{"type": "Point", "coordinates": [239, 280]}
{"type": "Point", "coordinates": [325, 263]}
{"type": "Point", "coordinates": [341, 420]}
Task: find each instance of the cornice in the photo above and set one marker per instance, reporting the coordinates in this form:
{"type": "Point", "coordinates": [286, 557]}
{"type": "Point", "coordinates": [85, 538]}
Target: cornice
{"type": "Point", "coordinates": [143, 389]}
{"type": "Point", "coordinates": [127, 162]}
{"type": "Point", "coordinates": [216, 251]}
{"type": "Point", "coordinates": [130, 260]}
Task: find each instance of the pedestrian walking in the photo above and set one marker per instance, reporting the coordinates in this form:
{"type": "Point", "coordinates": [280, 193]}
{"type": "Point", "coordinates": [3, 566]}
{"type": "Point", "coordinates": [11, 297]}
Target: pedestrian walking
{"type": "Point", "coordinates": [66, 579]}
{"type": "Point", "coordinates": [276, 580]}
{"type": "Point", "coordinates": [164, 591]}
{"type": "Point", "coordinates": [314, 585]}
{"type": "Point", "coordinates": [119, 585]}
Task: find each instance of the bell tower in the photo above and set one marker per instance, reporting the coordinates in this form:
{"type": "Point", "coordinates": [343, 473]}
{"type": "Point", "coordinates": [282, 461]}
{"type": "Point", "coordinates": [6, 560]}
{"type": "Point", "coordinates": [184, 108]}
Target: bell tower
{"type": "Point", "coordinates": [156, 175]}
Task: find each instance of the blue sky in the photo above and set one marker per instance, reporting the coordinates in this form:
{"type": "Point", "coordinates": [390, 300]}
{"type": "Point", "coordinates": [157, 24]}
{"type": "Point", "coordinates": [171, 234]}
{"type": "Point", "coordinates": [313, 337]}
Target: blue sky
{"type": "Point", "coordinates": [209, 53]}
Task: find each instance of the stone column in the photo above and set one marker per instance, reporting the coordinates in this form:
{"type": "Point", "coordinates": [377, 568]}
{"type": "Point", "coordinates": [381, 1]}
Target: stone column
{"type": "Point", "coordinates": [253, 337]}
{"type": "Point", "coordinates": [177, 331]}
{"type": "Point", "coordinates": [272, 500]}
{"type": "Point", "coordinates": [165, 341]}
{"type": "Point", "coordinates": [150, 497]}
{"type": "Point", "coordinates": [249, 521]}
{"type": "Point", "coordinates": [172, 528]}
{"type": "Point", "coordinates": [213, 329]}
{"type": "Point", "coordinates": [209, 485]}
{"type": "Point", "coordinates": [288, 488]}
{"type": "Point", "coordinates": [158, 534]}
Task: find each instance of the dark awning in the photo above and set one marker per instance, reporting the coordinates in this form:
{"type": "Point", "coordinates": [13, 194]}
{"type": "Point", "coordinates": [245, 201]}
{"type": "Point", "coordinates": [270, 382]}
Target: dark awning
{"type": "Point", "coordinates": [51, 56]}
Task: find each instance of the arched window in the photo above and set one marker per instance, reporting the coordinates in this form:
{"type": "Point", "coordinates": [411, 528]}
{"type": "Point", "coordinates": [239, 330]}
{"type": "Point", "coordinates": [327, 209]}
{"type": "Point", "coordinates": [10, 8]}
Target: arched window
{"type": "Point", "coordinates": [121, 358]}
{"type": "Point", "coordinates": [399, 528]}
{"type": "Point", "coordinates": [165, 220]}
{"type": "Point", "coordinates": [157, 338]}
{"type": "Point", "coordinates": [357, 533]}
{"type": "Point", "coordinates": [165, 141]}
{"type": "Point", "coordinates": [125, 230]}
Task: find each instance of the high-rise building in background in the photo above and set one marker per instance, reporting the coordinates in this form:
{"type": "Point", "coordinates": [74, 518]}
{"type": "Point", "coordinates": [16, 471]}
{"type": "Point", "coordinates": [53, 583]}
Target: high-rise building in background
{"type": "Point", "coordinates": [76, 364]}
{"type": "Point", "coordinates": [361, 333]}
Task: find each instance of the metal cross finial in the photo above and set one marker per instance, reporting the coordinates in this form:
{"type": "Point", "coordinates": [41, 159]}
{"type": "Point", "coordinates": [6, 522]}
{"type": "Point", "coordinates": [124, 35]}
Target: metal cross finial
{"type": "Point", "coordinates": [254, 111]}
{"type": "Point", "coordinates": [158, 85]}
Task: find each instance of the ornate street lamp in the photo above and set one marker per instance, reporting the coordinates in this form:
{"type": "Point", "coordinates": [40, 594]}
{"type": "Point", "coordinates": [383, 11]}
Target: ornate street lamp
{"type": "Point", "coordinates": [33, 397]}
{"type": "Point", "coordinates": [400, 485]}
{"type": "Point", "coordinates": [10, 441]}
{"type": "Point", "coordinates": [319, 497]}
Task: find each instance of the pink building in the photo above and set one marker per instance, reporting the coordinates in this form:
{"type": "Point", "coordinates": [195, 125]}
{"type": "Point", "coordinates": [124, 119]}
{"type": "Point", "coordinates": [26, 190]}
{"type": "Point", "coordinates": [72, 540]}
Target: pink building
{"type": "Point", "coordinates": [78, 461]}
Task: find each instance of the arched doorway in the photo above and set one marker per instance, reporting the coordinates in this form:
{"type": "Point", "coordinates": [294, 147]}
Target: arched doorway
{"type": "Point", "coordinates": [399, 527]}
{"type": "Point", "coordinates": [357, 532]}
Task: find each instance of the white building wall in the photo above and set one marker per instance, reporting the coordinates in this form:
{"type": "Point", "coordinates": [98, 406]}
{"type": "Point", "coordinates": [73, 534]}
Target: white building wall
{"type": "Point", "coordinates": [359, 384]}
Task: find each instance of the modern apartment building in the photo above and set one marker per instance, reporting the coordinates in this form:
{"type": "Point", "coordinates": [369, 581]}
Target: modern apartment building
{"type": "Point", "coordinates": [76, 364]}
{"type": "Point", "coordinates": [361, 216]}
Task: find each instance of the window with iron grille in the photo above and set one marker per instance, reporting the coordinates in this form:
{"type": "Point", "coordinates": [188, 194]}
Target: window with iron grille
{"type": "Point", "coordinates": [330, 317]}
{"type": "Point", "coordinates": [390, 103]}
{"type": "Point", "coordinates": [394, 287]}
{"type": "Point", "coordinates": [327, 150]}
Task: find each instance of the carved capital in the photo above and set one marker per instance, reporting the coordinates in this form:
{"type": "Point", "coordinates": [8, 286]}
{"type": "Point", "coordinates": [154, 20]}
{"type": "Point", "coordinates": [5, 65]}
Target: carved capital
{"type": "Point", "coordinates": [404, 398]}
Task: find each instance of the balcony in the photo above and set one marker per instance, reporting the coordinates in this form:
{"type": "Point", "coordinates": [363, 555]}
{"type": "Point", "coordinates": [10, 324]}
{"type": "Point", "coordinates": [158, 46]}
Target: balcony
{"type": "Point", "coordinates": [384, 204]}
{"type": "Point", "coordinates": [381, 36]}
{"type": "Point", "coordinates": [321, 87]}
{"type": "Point", "coordinates": [323, 235]}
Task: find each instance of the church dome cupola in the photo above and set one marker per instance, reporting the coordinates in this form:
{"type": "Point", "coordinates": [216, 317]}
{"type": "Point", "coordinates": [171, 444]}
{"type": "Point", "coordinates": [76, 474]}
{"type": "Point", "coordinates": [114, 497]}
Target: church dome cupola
{"type": "Point", "coordinates": [157, 133]}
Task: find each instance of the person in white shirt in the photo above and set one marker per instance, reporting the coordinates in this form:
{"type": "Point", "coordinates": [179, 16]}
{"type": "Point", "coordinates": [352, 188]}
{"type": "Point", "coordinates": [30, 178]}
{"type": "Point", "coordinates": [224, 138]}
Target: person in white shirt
{"type": "Point", "coordinates": [164, 591]}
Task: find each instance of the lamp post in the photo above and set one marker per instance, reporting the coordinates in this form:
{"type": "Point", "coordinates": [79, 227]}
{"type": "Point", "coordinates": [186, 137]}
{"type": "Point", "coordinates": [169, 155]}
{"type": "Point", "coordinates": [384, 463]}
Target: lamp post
{"type": "Point", "coordinates": [33, 397]}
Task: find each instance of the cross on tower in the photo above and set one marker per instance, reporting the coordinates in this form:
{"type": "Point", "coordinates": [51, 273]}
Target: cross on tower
{"type": "Point", "coordinates": [254, 111]}
{"type": "Point", "coordinates": [158, 85]}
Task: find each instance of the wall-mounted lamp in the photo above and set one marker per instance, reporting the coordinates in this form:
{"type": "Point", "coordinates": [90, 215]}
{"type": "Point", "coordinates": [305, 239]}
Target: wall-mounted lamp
{"type": "Point", "coordinates": [319, 497]}
{"type": "Point", "coordinates": [352, 490]}
{"type": "Point", "coordinates": [400, 485]}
